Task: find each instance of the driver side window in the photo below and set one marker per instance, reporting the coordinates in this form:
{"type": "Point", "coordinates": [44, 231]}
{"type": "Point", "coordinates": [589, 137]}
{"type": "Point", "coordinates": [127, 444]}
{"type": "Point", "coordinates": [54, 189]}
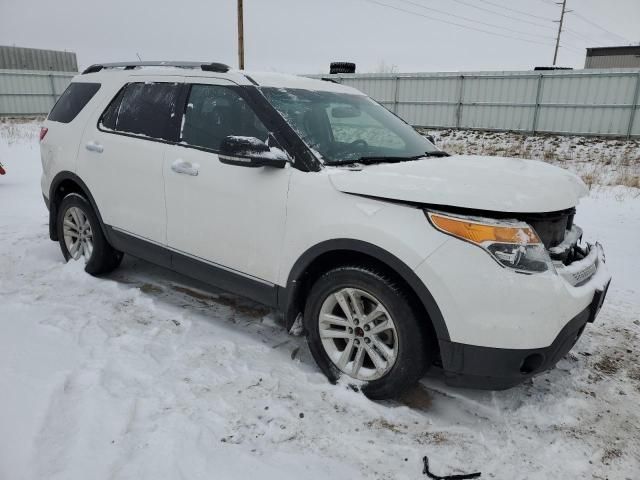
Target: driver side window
{"type": "Point", "coordinates": [214, 112]}
{"type": "Point", "coordinates": [350, 124]}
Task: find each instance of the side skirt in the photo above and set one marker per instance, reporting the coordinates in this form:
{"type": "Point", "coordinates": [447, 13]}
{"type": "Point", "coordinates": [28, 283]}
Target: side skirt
{"type": "Point", "coordinates": [213, 274]}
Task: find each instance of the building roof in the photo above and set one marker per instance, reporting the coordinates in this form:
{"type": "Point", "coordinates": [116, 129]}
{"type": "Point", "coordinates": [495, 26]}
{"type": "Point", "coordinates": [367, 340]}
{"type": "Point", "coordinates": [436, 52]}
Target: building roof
{"type": "Point", "coordinates": [19, 58]}
{"type": "Point", "coordinates": [606, 51]}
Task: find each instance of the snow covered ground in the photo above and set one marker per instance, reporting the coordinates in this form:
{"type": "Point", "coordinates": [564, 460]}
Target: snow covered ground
{"type": "Point", "coordinates": [146, 374]}
{"type": "Point", "coordinates": [599, 161]}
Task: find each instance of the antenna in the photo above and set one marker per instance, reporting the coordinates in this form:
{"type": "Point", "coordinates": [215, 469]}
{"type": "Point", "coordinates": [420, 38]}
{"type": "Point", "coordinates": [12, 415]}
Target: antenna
{"type": "Point", "coordinates": [137, 55]}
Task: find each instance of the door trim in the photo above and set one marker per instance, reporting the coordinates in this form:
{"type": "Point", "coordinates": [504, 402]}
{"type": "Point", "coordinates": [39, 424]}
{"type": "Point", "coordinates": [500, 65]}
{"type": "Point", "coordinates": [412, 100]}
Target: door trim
{"type": "Point", "coordinates": [195, 267]}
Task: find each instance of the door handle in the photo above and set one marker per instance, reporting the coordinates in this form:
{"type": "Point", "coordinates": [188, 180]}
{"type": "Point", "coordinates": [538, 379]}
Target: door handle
{"type": "Point", "coordinates": [185, 168]}
{"type": "Point", "coordinates": [94, 147]}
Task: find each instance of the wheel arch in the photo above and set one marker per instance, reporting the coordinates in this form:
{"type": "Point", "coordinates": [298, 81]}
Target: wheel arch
{"type": "Point", "coordinates": [331, 253]}
{"type": "Point", "coordinates": [62, 184]}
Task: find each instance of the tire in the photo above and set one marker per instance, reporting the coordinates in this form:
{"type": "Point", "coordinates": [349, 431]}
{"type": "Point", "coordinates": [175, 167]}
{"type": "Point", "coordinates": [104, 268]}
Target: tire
{"type": "Point", "coordinates": [409, 339]}
{"type": "Point", "coordinates": [102, 257]}
{"type": "Point", "coordinates": [342, 67]}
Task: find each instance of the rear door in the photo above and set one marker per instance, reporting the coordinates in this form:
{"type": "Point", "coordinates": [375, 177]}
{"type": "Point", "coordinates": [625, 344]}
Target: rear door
{"type": "Point", "coordinates": [122, 155]}
{"type": "Point", "coordinates": [228, 216]}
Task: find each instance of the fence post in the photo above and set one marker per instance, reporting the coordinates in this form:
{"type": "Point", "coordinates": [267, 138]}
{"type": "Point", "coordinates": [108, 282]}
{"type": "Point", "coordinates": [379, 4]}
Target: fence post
{"type": "Point", "coordinates": [460, 97]}
{"type": "Point", "coordinates": [634, 106]}
{"type": "Point", "coordinates": [536, 110]}
{"type": "Point", "coordinates": [395, 93]}
{"type": "Point", "coordinates": [53, 90]}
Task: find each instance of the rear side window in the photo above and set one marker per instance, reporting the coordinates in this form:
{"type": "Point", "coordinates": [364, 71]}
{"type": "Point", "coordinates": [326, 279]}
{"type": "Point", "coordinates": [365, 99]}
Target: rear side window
{"type": "Point", "coordinates": [72, 101]}
{"type": "Point", "coordinates": [214, 112]}
{"type": "Point", "coordinates": [147, 109]}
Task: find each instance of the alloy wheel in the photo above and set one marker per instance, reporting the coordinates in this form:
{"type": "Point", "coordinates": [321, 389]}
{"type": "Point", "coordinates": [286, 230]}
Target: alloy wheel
{"type": "Point", "coordinates": [78, 236]}
{"type": "Point", "coordinates": [358, 334]}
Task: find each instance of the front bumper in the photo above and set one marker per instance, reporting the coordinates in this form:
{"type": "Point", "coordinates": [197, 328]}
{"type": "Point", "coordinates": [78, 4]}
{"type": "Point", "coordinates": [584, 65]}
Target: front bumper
{"type": "Point", "coordinates": [473, 366]}
{"type": "Point", "coordinates": [504, 326]}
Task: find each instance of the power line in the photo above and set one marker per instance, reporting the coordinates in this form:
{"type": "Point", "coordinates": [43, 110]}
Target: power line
{"type": "Point", "coordinates": [582, 36]}
{"type": "Point", "coordinates": [473, 20]}
{"type": "Point", "coordinates": [537, 24]}
{"type": "Point", "coordinates": [573, 49]}
{"type": "Point", "coordinates": [591, 22]}
{"type": "Point", "coordinates": [517, 11]}
{"type": "Point", "coordinates": [585, 19]}
{"type": "Point", "coordinates": [400, 9]}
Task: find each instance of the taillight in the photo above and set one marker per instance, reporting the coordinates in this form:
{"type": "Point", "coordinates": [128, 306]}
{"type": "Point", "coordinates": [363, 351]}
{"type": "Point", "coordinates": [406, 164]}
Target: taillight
{"type": "Point", "coordinates": [43, 132]}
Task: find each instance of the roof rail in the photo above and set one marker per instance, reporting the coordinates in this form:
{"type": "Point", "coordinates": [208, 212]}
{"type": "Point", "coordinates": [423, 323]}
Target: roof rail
{"type": "Point", "coordinates": [207, 67]}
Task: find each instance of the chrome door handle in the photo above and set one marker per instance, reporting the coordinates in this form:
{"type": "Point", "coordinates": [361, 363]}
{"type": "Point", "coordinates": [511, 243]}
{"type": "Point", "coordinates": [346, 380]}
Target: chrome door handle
{"type": "Point", "coordinates": [186, 168]}
{"type": "Point", "coordinates": [94, 147]}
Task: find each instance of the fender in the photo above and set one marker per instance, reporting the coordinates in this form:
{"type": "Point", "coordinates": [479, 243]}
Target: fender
{"type": "Point", "coordinates": [53, 206]}
{"type": "Point", "coordinates": [286, 299]}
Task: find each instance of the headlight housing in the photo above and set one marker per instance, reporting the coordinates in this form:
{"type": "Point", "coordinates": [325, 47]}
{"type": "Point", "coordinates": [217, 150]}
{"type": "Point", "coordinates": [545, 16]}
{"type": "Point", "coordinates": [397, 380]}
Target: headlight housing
{"type": "Point", "coordinates": [512, 243]}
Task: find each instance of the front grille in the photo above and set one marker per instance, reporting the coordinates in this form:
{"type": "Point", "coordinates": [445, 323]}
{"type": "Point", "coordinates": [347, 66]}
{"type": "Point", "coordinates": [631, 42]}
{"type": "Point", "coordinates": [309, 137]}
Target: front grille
{"type": "Point", "coordinates": [551, 227]}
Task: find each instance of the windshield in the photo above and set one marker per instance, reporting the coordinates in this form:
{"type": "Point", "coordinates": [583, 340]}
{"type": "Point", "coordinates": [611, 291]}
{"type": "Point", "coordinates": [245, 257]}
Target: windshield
{"type": "Point", "coordinates": [344, 128]}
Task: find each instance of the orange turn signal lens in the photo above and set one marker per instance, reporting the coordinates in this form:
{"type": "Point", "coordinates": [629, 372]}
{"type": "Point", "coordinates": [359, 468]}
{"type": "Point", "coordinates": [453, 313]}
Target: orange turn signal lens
{"type": "Point", "coordinates": [479, 233]}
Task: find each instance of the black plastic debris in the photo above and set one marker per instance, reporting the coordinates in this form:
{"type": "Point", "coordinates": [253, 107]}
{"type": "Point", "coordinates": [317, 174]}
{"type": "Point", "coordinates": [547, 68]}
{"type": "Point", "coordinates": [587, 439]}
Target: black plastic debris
{"type": "Point", "coordinates": [428, 473]}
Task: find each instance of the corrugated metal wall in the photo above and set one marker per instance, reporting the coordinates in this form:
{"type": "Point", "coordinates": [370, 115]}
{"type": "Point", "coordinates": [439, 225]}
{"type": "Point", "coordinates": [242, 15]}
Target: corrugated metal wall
{"type": "Point", "coordinates": [19, 58]}
{"type": "Point", "coordinates": [613, 61]}
{"type": "Point", "coordinates": [24, 92]}
{"type": "Point", "coordinates": [584, 102]}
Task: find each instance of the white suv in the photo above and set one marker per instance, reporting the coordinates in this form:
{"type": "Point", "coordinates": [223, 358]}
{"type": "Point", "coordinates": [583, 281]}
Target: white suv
{"type": "Point", "coordinates": [310, 197]}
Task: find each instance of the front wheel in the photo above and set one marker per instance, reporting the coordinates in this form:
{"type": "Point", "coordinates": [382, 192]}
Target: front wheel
{"type": "Point", "coordinates": [81, 237]}
{"type": "Point", "coordinates": [361, 324]}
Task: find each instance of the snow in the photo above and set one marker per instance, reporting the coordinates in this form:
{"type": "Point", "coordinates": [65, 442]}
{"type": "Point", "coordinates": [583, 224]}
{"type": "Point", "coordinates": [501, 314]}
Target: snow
{"type": "Point", "coordinates": [145, 374]}
{"type": "Point", "coordinates": [597, 160]}
{"type": "Point", "coordinates": [571, 238]}
{"type": "Point", "coordinates": [283, 80]}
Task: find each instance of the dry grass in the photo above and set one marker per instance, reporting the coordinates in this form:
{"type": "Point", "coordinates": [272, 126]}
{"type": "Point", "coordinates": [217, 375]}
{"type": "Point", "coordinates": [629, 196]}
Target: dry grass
{"type": "Point", "coordinates": [632, 181]}
{"type": "Point", "coordinates": [597, 160]}
{"type": "Point", "coordinates": [18, 130]}
{"type": "Point", "coordinates": [589, 179]}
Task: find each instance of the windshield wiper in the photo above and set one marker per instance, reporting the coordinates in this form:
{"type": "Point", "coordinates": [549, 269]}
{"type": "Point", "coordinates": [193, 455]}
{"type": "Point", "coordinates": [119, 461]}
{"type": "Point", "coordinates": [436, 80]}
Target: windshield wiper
{"type": "Point", "coordinates": [388, 159]}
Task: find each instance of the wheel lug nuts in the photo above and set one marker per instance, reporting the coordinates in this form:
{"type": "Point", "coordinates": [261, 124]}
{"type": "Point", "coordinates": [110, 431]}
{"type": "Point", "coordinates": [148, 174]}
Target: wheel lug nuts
{"type": "Point", "coordinates": [367, 340]}
{"type": "Point", "coordinates": [350, 330]}
{"type": "Point", "coordinates": [356, 342]}
{"type": "Point", "coordinates": [367, 328]}
{"type": "Point", "coordinates": [355, 321]}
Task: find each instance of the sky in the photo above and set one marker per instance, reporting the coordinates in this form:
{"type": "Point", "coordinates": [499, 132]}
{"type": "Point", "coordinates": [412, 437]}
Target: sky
{"type": "Point", "coordinates": [304, 36]}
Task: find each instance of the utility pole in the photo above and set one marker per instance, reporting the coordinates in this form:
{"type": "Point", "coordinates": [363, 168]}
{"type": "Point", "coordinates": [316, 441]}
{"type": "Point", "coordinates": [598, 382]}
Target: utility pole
{"type": "Point", "coordinates": [564, 10]}
{"type": "Point", "coordinates": [241, 36]}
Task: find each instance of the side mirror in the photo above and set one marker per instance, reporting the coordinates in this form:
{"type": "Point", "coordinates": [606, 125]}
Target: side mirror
{"type": "Point", "coordinates": [250, 152]}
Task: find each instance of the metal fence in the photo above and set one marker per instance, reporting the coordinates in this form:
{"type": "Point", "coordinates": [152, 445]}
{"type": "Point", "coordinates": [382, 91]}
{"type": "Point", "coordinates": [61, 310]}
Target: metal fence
{"type": "Point", "coordinates": [578, 102]}
{"type": "Point", "coordinates": [581, 102]}
{"type": "Point", "coordinates": [30, 92]}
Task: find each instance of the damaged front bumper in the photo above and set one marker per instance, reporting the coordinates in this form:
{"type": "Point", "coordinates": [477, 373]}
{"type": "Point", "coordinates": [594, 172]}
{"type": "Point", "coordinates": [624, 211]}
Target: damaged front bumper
{"type": "Point", "coordinates": [513, 326]}
{"type": "Point", "coordinates": [500, 368]}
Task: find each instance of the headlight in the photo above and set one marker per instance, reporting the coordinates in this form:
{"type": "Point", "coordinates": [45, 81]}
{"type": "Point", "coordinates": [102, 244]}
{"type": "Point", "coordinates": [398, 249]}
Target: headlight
{"type": "Point", "coordinates": [511, 243]}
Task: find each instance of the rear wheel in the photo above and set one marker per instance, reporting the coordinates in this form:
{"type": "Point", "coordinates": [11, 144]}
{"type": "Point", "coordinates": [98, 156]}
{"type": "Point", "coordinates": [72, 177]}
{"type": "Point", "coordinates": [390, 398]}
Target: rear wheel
{"type": "Point", "coordinates": [81, 237]}
{"type": "Point", "coordinates": [361, 324]}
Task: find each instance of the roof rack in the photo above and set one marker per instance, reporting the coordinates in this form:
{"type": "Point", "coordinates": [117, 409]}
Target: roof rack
{"type": "Point", "coordinates": [207, 67]}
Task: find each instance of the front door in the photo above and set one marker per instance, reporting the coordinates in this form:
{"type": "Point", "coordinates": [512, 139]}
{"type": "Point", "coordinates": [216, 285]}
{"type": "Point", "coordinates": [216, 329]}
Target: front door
{"type": "Point", "coordinates": [230, 217]}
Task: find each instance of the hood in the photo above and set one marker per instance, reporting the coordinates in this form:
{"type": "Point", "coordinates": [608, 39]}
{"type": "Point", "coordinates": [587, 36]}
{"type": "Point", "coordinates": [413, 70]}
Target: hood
{"type": "Point", "coordinates": [499, 184]}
